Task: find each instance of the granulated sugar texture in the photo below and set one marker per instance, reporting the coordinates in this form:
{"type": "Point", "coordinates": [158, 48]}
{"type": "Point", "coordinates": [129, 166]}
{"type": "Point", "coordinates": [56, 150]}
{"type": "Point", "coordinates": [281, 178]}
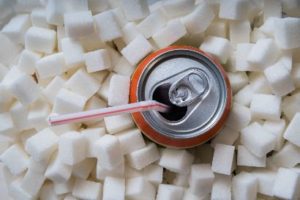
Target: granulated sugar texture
{"type": "Point", "coordinates": [62, 56]}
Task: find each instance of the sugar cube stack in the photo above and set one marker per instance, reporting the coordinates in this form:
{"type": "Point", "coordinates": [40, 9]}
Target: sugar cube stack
{"type": "Point", "coordinates": [60, 57]}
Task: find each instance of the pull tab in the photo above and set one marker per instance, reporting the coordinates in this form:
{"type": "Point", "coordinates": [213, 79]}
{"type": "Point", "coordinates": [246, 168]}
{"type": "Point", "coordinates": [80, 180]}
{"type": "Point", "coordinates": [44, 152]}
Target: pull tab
{"type": "Point", "coordinates": [189, 88]}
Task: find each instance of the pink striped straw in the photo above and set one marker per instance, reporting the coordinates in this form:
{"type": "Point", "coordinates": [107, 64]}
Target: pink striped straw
{"type": "Point", "coordinates": [141, 106]}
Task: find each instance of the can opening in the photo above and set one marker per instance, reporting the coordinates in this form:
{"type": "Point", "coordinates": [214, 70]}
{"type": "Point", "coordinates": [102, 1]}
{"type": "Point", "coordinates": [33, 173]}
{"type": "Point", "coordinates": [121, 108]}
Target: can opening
{"type": "Point", "coordinates": [161, 94]}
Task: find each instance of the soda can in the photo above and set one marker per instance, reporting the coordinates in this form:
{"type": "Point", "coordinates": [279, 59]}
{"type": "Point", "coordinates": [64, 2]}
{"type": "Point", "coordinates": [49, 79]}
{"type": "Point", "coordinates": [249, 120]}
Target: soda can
{"type": "Point", "coordinates": [196, 88]}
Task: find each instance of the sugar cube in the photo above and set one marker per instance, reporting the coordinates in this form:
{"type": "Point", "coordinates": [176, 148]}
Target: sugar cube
{"type": "Point", "coordinates": [290, 105]}
{"type": "Point", "coordinates": [41, 145]}
{"type": "Point", "coordinates": [291, 133]}
{"type": "Point", "coordinates": [130, 32]}
{"type": "Point", "coordinates": [135, 9]}
{"type": "Point", "coordinates": [288, 156]}
{"type": "Point", "coordinates": [73, 52]}
{"type": "Point", "coordinates": [201, 179]}
{"type": "Point", "coordinates": [97, 60]}
{"type": "Point", "coordinates": [239, 117]}
{"type": "Point", "coordinates": [277, 128]}
{"type": "Point", "coordinates": [123, 67]}
{"type": "Point", "coordinates": [169, 192]}
{"type": "Point", "coordinates": [52, 65]}
{"type": "Point", "coordinates": [234, 10]}
{"type": "Point", "coordinates": [131, 140]}
{"type": "Point", "coordinates": [72, 148]}
{"type": "Point", "coordinates": [51, 90]}
{"type": "Point", "coordinates": [39, 18]}
{"type": "Point", "coordinates": [27, 61]}
{"type": "Point", "coordinates": [178, 161]}
{"type": "Point", "coordinates": [17, 192]}
{"type": "Point", "coordinates": [175, 8]}
{"type": "Point", "coordinates": [107, 26]}
{"type": "Point", "coordinates": [173, 31]}
{"type": "Point", "coordinates": [242, 51]}
{"type": "Point", "coordinates": [286, 184]}
{"type": "Point", "coordinates": [153, 173]}
{"type": "Point", "coordinates": [257, 140]}
{"type": "Point", "coordinates": [7, 123]}
{"type": "Point", "coordinates": [217, 46]}
{"type": "Point", "coordinates": [244, 186]}
{"type": "Point", "coordinates": [221, 188]}
{"type": "Point", "coordinates": [78, 24]}
{"type": "Point", "coordinates": [40, 39]}
{"type": "Point", "coordinates": [57, 171]}
{"type": "Point", "coordinates": [136, 50]}
{"type": "Point", "coordinates": [118, 93]}
{"type": "Point", "coordinates": [84, 168]}
{"type": "Point", "coordinates": [246, 158]}
{"type": "Point", "coordinates": [84, 189]}
{"type": "Point", "coordinates": [8, 54]}
{"type": "Point", "coordinates": [272, 9]}
{"type": "Point", "coordinates": [239, 32]}
{"type": "Point", "coordinates": [265, 180]}
{"type": "Point", "coordinates": [116, 171]}
{"type": "Point", "coordinates": [15, 29]}
{"type": "Point", "coordinates": [118, 123]}
{"type": "Point", "coordinates": [202, 13]}
{"type": "Point", "coordinates": [114, 188]}
{"type": "Point", "coordinates": [237, 80]}
{"type": "Point", "coordinates": [280, 79]}
{"type": "Point", "coordinates": [143, 157]}
{"type": "Point", "coordinates": [223, 159]}
{"type": "Point", "coordinates": [92, 135]}
{"type": "Point", "coordinates": [63, 188]}
{"type": "Point", "coordinates": [225, 136]}
{"type": "Point", "coordinates": [139, 189]}
{"type": "Point", "coordinates": [15, 159]}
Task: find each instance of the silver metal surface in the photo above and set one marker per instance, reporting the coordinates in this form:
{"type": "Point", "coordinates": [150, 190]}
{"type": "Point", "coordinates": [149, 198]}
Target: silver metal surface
{"type": "Point", "coordinates": [200, 86]}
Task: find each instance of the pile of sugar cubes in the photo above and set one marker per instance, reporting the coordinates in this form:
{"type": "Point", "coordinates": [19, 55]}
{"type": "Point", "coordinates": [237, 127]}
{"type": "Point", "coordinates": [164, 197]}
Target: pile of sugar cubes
{"type": "Point", "coordinates": [63, 56]}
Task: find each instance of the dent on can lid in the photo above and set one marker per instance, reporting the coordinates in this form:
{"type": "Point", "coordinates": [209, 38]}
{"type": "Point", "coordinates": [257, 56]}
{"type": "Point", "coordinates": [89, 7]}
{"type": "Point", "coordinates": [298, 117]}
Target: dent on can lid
{"type": "Point", "coordinates": [196, 88]}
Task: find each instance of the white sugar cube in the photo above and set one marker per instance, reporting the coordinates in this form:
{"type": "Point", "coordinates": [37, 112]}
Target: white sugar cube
{"type": "Point", "coordinates": [83, 84]}
{"type": "Point", "coordinates": [72, 148]}
{"type": "Point", "coordinates": [17, 192]}
{"type": "Point", "coordinates": [173, 31]}
{"type": "Point", "coordinates": [290, 105]}
{"type": "Point", "coordinates": [118, 93]}
{"type": "Point", "coordinates": [137, 49]}
{"type": "Point", "coordinates": [130, 32]}
{"type": "Point", "coordinates": [288, 156]}
{"type": "Point", "coordinates": [38, 113]}
{"type": "Point", "coordinates": [151, 24]}
{"type": "Point", "coordinates": [15, 159]}
{"type": "Point", "coordinates": [202, 13]}
{"type": "Point", "coordinates": [265, 180]}
{"type": "Point", "coordinates": [259, 83]}
{"type": "Point", "coordinates": [7, 123]}
{"type": "Point", "coordinates": [115, 124]}
{"type": "Point", "coordinates": [52, 65]}
{"type": "Point", "coordinates": [5, 143]}
{"type": "Point", "coordinates": [239, 32]}
{"type": "Point", "coordinates": [280, 79]}
{"type": "Point", "coordinates": [153, 173]}
{"type": "Point", "coordinates": [15, 29]}
{"type": "Point", "coordinates": [8, 54]}
{"type": "Point", "coordinates": [84, 189]}
{"type": "Point", "coordinates": [175, 8]}
{"type": "Point", "coordinates": [40, 39]}
{"type": "Point", "coordinates": [272, 9]}
{"type": "Point", "coordinates": [246, 158]}
{"type": "Point", "coordinates": [63, 188]}
{"type": "Point", "coordinates": [113, 188]}
{"type": "Point", "coordinates": [27, 61]}
{"type": "Point", "coordinates": [124, 67]}
{"type": "Point", "coordinates": [131, 140]}
{"type": "Point", "coordinates": [135, 9]}
{"type": "Point", "coordinates": [244, 186]}
{"type": "Point", "coordinates": [97, 60]}
{"type": "Point", "coordinates": [92, 135]}
{"type": "Point", "coordinates": [190, 196]}
{"type": "Point", "coordinates": [78, 24]}
{"type": "Point", "coordinates": [169, 192]}
{"type": "Point", "coordinates": [109, 150]}
{"type": "Point", "coordinates": [277, 128]}
{"type": "Point", "coordinates": [39, 18]}
{"type": "Point", "coordinates": [116, 171]}
{"type": "Point", "coordinates": [237, 80]}
{"type": "Point", "coordinates": [242, 51]}
{"type": "Point", "coordinates": [217, 46]}
{"type": "Point", "coordinates": [234, 9]}
{"type": "Point", "coordinates": [257, 140]}
{"type": "Point", "coordinates": [73, 52]}
{"type": "Point", "coordinates": [103, 91]}
{"type": "Point", "coordinates": [223, 159]}
{"type": "Point", "coordinates": [57, 171]}
{"type": "Point", "coordinates": [263, 53]}
{"type": "Point", "coordinates": [98, 6]}
{"type": "Point", "coordinates": [201, 179]}
{"type": "Point", "coordinates": [292, 132]}
{"type": "Point", "coordinates": [259, 110]}
{"type": "Point", "coordinates": [143, 157]}
{"type": "Point", "coordinates": [41, 145]}
{"type": "Point", "coordinates": [239, 117]}
{"type": "Point", "coordinates": [25, 89]}
{"type": "Point", "coordinates": [225, 136]}
{"type": "Point", "coordinates": [286, 184]}
{"type": "Point", "coordinates": [257, 34]}
{"type": "Point", "coordinates": [286, 32]}
{"type": "Point", "coordinates": [84, 168]}
{"type": "Point", "coordinates": [67, 101]}
{"type": "Point", "coordinates": [139, 189]}
{"type": "Point", "coordinates": [107, 26]}
{"type": "Point", "coordinates": [180, 180]}
{"type": "Point", "coordinates": [53, 87]}
{"type": "Point", "coordinates": [221, 188]}
{"type": "Point", "coordinates": [178, 161]}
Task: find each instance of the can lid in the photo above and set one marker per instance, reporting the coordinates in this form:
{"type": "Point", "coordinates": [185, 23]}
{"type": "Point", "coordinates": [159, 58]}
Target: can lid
{"type": "Point", "coordinates": [192, 81]}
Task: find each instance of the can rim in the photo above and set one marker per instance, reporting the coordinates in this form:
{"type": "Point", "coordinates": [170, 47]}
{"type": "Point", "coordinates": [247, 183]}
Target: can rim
{"type": "Point", "coordinates": [164, 140]}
